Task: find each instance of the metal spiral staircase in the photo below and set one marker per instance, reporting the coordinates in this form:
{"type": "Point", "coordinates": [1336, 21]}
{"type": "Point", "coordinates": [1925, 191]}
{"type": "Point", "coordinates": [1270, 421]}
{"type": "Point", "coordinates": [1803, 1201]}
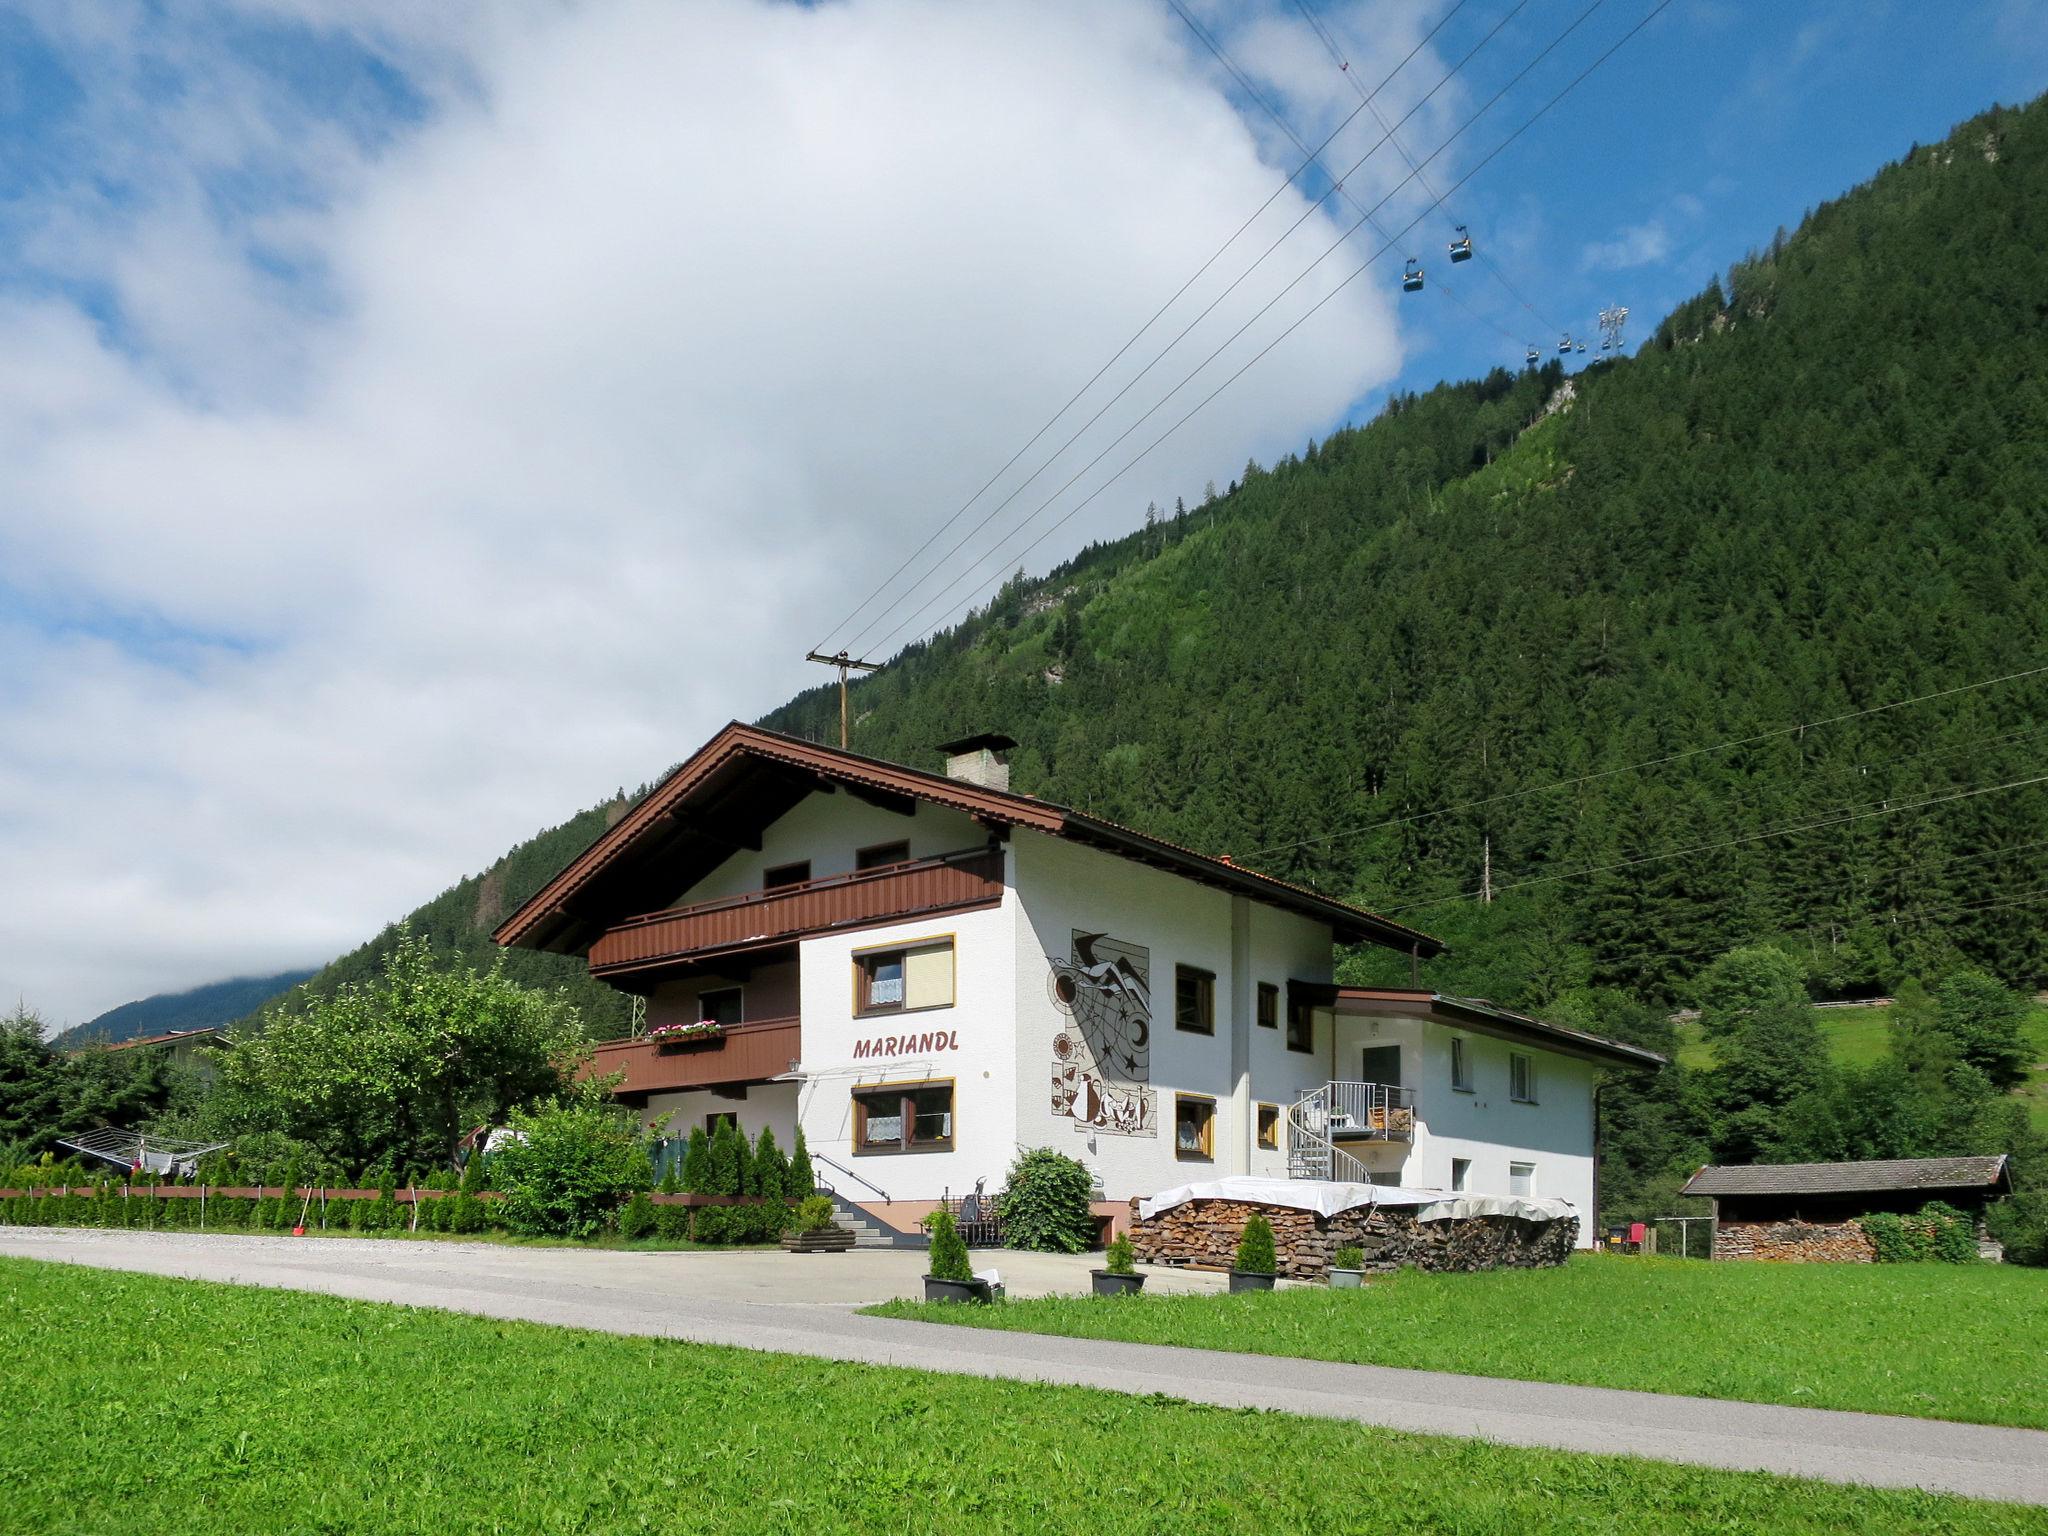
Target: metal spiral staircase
{"type": "Point", "coordinates": [1342, 1111]}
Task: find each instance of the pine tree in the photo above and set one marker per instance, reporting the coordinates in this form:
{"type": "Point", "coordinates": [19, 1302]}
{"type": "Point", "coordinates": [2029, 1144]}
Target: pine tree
{"type": "Point", "coordinates": [697, 1172]}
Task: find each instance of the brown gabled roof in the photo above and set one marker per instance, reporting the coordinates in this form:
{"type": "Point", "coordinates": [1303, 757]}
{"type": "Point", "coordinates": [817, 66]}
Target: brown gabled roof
{"type": "Point", "coordinates": [720, 789]}
{"type": "Point", "coordinates": [1883, 1177]}
{"type": "Point", "coordinates": [1481, 1017]}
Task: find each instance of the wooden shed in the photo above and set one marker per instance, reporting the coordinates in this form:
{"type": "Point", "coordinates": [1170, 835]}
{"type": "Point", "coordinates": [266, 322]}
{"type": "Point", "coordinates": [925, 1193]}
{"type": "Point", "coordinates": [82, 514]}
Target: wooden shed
{"type": "Point", "coordinates": [1807, 1212]}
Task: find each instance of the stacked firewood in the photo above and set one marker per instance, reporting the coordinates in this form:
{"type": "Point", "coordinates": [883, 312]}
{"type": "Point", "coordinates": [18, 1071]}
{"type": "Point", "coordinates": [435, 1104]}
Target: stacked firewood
{"type": "Point", "coordinates": [1203, 1234]}
{"type": "Point", "coordinates": [1795, 1242]}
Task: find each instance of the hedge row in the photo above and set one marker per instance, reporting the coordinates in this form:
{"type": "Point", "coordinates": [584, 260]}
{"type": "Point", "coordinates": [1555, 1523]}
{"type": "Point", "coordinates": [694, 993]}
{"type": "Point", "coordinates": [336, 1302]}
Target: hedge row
{"type": "Point", "coordinates": [458, 1213]}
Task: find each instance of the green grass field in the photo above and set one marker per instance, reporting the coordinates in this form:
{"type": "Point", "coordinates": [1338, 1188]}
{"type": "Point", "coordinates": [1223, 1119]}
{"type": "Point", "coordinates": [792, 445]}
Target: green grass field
{"type": "Point", "coordinates": [1932, 1340]}
{"type": "Point", "coordinates": [1861, 1037]}
{"type": "Point", "coordinates": [145, 1405]}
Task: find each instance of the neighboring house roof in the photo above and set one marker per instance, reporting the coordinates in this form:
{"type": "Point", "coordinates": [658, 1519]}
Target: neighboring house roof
{"type": "Point", "coordinates": [1881, 1177]}
{"type": "Point", "coordinates": [745, 777]}
{"type": "Point", "coordinates": [169, 1037]}
{"type": "Point", "coordinates": [1482, 1017]}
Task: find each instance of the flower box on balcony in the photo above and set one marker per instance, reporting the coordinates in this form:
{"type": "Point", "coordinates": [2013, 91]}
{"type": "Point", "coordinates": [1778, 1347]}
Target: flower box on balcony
{"type": "Point", "coordinates": [675, 1037]}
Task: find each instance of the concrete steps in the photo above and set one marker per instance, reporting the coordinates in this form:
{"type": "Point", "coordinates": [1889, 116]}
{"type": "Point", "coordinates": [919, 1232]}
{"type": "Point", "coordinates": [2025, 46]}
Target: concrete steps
{"type": "Point", "coordinates": [868, 1232]}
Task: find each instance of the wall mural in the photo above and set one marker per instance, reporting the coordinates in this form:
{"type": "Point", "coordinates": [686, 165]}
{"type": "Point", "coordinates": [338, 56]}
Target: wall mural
{"type": "Point", "coordinates": [1102, 1059]}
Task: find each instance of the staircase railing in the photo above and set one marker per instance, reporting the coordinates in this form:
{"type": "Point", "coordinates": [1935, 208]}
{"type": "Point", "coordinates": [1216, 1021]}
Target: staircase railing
{"type": "Point", "coordinates": [1311, 1154]}
{"type": "Point", "coordinates": [818, 1159]}
{"type": "Point", "coordinates": [1370, 1111]}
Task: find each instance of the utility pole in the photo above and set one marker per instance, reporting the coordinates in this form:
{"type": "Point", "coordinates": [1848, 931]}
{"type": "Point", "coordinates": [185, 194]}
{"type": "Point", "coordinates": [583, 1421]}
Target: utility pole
{"type": "Point", "coordinates": [845, 664]}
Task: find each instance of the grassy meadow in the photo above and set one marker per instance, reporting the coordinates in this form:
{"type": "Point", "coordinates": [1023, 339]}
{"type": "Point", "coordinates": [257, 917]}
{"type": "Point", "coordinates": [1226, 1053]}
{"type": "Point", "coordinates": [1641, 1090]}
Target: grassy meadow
{"type": "Point", "coordinates": [1932, 1340]}
{"type": "Point", "coordinates": [1861, 1037]}
{"type": "Point", "coordinates": [140, 1404]}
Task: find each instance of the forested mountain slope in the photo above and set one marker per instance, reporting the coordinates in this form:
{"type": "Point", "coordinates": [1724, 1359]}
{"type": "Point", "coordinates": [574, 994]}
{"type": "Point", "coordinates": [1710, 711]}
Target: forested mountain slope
{"type": "Point", "coordinates": [218, 1002]}
{"type": "Point", "coordinates": [1820, 488]}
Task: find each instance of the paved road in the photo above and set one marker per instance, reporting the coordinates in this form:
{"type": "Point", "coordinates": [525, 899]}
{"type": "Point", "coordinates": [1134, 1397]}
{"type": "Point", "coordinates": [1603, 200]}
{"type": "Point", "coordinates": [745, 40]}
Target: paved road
{"type": "Point", "coordinates": [803, 1305]}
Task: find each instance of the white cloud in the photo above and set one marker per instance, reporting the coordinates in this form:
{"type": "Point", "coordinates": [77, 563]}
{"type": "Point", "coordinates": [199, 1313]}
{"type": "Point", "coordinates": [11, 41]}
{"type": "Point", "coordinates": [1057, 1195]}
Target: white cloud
{"type": "Point", "coordinates": [1638, 245]}
{"type": "Point", "coordinates": [577, 404]}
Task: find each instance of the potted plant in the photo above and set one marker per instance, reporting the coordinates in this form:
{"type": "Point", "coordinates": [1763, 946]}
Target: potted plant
{"type": "Point", "coordinates": [950, 1279]}
{"type": "Point", "coordinates": [815, 1230]}
{"type": "Point", "coordinates": [1255, 1263]}
{"type": "Point", "coordinates": [1119, 1273]}
{"type": "Point", "coordinates": [1347, 1268]}
{"type": "Point", "coordinates": [701, 1032]}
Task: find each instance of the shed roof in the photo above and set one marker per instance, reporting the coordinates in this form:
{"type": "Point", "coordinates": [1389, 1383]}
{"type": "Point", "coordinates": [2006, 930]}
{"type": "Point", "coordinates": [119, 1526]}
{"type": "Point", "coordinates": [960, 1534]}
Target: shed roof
{"type": "Point", "coordinates": [1903, 1173]}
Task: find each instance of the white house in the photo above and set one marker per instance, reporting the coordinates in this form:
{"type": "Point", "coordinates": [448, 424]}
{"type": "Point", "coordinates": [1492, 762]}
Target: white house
{"type": "Point", "coordinates": [928, 972]}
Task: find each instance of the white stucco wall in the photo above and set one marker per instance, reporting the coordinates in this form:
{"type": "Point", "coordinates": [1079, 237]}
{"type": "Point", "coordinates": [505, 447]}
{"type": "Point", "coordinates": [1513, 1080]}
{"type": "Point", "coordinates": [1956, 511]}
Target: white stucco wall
{"type": "Point", "coordinates": [1063, 887]}
{"type": "Point", "coordinates": [828, 830]}
{"type": "Point", "coordinates": [1485, 1125]}
{"type": "Point", "coordinates": [766, 1104]}
{"type": "Point", "coordinates": [974, 1053]}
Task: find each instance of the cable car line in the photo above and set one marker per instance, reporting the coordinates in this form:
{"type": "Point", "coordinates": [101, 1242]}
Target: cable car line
{"type": "Point", "coordinates": [1657, 10]}
{"type": "Point", "coordinates": [1461, 248]}
{"type": "Point", "coordinates": [1245, 84]}
{"type": "Point", "coordinates": [1192, 279]}
{"type": "Point", "coordinates": [864, 642]}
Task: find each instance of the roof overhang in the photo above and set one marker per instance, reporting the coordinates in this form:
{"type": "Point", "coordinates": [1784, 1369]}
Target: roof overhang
{"type": "Point", "coordinates": [1931, 1177]}
{"type": "Point", "coordinates": [1483, 1018]}
{"type": "Point", "coordinates": [721, 798]}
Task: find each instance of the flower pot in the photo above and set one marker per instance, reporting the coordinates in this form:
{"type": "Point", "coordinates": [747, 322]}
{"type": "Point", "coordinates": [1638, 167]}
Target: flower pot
{"type": "Point", "coordinates": [1246, 1280]}
{"type": "Point", "coordinates": [1346, 1279]}
{"type": "Point", "coordinates": [1108, 1283]}
{"type": "Point", "coordinates": [936, 1289]}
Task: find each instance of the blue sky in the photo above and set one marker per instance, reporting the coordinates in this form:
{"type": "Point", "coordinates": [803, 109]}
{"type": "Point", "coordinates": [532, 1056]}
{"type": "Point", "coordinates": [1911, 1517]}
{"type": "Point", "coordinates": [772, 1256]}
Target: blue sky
{"type": "Point", "coordinates": [421, 420]}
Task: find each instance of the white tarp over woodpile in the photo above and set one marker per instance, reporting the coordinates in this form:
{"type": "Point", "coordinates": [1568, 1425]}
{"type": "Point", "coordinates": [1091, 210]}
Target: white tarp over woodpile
{"type": "Point", "coordinates": [1327, 1199]}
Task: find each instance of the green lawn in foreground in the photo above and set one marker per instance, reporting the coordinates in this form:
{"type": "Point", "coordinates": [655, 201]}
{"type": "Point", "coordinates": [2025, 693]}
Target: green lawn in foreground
{"type": "Point", "coordinates": [1934, 1340]}
{"type": "Point", "coordinates": [146, 1405]}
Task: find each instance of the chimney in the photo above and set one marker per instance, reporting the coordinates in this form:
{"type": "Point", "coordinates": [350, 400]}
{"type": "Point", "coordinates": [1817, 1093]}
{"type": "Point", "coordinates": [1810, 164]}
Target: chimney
{"type": "Point", "coordinates": [982, 760]}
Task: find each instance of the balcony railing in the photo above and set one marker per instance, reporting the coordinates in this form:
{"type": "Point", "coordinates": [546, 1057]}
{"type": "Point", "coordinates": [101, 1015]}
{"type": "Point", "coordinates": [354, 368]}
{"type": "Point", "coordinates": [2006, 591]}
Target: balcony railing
{"type": "Point", "coordinates": [970, 877]}
{"type": "Point", "coordinates": [751, 1052]}
{"type": "Point", "coordinates": [1324, 1121]}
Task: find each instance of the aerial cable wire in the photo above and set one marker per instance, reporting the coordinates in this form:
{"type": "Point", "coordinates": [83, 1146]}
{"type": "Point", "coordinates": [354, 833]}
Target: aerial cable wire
{"type": "Point", "coordinates": [1822, 823]}
{"type": "Point", "coordinates": [1648, 762]}
{"type": "Point", "coordinates": [1193, 278]}
{"type": "Point", "coordinates": [1250, 89]}
{"type": "Point", "coordinates": [863, 641]}
{"type": "Point", "coordinates": [1302, 319]}
{"type": "Point", "coordinates": [1336, 53]}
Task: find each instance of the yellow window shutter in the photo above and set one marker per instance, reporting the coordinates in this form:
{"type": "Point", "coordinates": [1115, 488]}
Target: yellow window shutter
{"type": "Point", "coordinates": [928, 977]}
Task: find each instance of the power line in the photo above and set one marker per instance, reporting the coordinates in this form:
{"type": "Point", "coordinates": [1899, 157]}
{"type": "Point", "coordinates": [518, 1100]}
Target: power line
{"type": "Point", "coordinates": [1336, 53]}
{"type": "Point", "coordinates": [1885, 808]}
{"type": "Point", "coordinates": [1302, 319]}
{"type": "Point", "coordinates": [864, 640]}
{"type": "Point", "coordinates": [1648, 762]}
{"type": "Point", "coordinates": [1114, 357]}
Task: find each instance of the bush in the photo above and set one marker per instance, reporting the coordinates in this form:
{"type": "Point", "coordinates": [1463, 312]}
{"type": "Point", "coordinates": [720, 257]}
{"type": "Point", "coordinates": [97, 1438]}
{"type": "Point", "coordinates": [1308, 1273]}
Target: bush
{"type": "Point", "coordinates": [1937, 1232]}
{"type": "Point", "coordinates": [697, 1163]}
{"type": "Point", "coordinates": [1255, 1247]}
{"type": "Point", "coordinates": [712, 1224]}
{"type": "Point", "coordinates": [672, 1222]}
{"type": "Point", "coordinates": [1118, 1259]}
{"type": "Point", "coordinates": [815, 1213]}
{"type": "Point", "coordinates": [568, 1169]}
{"type": "Point", "coordinates": [948, 1250]}
{"type": "Point", "coordinates": [637, 1219]}
{"type": "Point", "coordinates": [2021, 1224]}
{"type": "Point", "coordinates": [1350, 1256]}
{"type": "Point", "coordinates": [771, 1168]}
{"type": "Point", "coordinates": [800, 1181]}
{"type": "Point", "coordinates": [1046, 1206]}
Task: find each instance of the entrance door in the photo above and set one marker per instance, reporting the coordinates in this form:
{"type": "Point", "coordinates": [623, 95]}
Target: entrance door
{"type": "Point", "coordinates": [1382, 1064]}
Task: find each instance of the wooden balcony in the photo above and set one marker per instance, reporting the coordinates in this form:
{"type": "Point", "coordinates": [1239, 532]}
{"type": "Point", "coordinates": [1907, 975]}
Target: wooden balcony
{"type": "Point", "coordinates": [749, 1053]}
{"type": "Point", "coordinates": [762, 919]}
